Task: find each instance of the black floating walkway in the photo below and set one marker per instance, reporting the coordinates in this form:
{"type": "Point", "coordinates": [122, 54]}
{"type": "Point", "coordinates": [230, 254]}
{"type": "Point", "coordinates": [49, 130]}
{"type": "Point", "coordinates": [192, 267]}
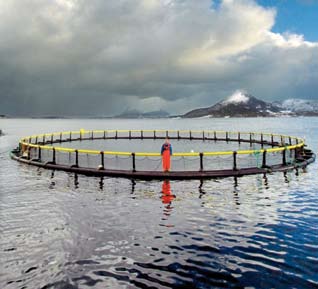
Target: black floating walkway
{"type": "Point", "coordinates": [176, 175]}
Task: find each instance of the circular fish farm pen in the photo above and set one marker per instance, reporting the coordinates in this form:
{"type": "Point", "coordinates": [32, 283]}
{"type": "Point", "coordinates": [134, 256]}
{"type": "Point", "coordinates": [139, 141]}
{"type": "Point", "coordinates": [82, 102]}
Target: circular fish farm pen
{"type": "Point", "coordinates": [136, 153]}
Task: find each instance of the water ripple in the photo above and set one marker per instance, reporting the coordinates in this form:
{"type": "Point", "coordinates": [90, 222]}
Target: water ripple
{"type": "Point", "coordinates": [61, 230]}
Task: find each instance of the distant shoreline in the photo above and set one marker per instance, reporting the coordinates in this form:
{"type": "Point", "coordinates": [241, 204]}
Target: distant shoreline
{"type": "Point", "coordinates": [162, 118]}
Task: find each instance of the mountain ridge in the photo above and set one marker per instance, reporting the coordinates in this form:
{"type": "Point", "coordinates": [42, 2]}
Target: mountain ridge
{"type": "Point", "coordinates": [245, 105]}
{"type": "Point", "coordinates": [239, 104]}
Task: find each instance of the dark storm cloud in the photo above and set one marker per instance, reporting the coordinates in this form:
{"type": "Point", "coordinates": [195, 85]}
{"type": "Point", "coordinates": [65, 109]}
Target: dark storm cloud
{"type": "Point", "coordinates": [76, 57]}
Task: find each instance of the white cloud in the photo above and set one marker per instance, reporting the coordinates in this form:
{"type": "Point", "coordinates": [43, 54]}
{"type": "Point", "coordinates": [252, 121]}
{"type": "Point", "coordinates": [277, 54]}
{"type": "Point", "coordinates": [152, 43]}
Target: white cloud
{"type": "Point", "coordinates": [288, 40]}
{"type": "Point", "coordinates": [65, 56]}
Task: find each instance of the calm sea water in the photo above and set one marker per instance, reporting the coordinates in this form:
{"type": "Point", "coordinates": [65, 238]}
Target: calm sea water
{"type": "Point", "coordinates": [59, 230]}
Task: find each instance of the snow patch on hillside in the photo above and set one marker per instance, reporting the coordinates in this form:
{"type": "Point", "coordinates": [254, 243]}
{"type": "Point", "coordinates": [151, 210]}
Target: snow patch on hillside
{"type": "Point", "coordinates": [237, 97]}
{"type": "Point", "coordinates": [299, 105]}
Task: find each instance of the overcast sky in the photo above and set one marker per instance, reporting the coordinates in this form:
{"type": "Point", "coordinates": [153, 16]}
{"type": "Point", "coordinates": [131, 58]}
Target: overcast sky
{"type": "Point", "coordinates": [97, 57]}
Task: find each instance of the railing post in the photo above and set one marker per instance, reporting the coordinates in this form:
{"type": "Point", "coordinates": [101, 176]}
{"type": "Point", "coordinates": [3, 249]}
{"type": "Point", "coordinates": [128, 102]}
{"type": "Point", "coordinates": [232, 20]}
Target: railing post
{"type": "Point", "coordinates": [76, 158]}
{"type": "Point", "coordinates": [201, 162]}
{"type": "Point", "coordinates": [154, 134]}
{"type": "Point", "coordinates": [60, 137]}
{"type": "Point", "coordinates": [302, 149]}
{"type": "Point", "coordinates": [178, 134]}
{"type": "Point", "coordinates": [167, 135]}
{"type": "Point", "coordinates": [281, 140]}
{"type": "Point", "coordinates": [39, 153]}
{"type": "Point", "coordinates": [272, 139]}
{"type": "Point", "coordinates": [92, 134]}
{"type": "Point", "coordinates": [51, 138]}
{"type": "Point", "coordinates": [296, 153]}
{"type": "Point", "coordinates": [130, 134]}
{"type": "Point", "coordinates": [227, 136]}
{"type": "Point", "coordinates": [133, 161]}
{"type": "Point", "coordinates": [70, 136]}
{"type": "Point", "coordinates": [142, 134]}
{"type": "Point", "coordinates": [284, 157]}
{"type": "Point", "coordinates": [214, 133]}
{"type": "Point", "coordinates": [54, 157]}
{"type": "Point", "coordinates": [102, 160]}
{"type": "Point", "coordinates": [116, 135]}
{"type": "Point", "coordinates": [290, 141]}
{"type": "Point", "coordinates": [43, 139]}
{"type": "Point", "coordinates": [80, 135]}
{"type": "Point", "coordinates": [264, 159]}
{"type": "Point", "coordinates": [234, 161]}
{"type": "Point", "coordinates": [239, 137]}
{"type": "Point", "coordinates": [262, 140]}
{"type": "Point", "coordinates": [250, 139]}
{"type": "Point", "coordinates": [104, 136]}
{"type": "Point", "coordinates": [29, 153]}
{"type": "Point", "coordinates": [203, 136]}
{"type": "Point", "coordinates": [36, 140]}
{"type": "Point", "coordinates": [190, 134]}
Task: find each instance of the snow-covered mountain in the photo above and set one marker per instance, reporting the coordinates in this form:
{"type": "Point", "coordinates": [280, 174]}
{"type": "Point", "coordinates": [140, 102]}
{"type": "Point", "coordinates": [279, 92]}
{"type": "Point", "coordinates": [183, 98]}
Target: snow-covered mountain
{"type": "Point", "coordinates": [240, 104]}
{"type": "Point", "coordinates": [299, 106]}
{"type": "Point", "coordinates": [237, 105]}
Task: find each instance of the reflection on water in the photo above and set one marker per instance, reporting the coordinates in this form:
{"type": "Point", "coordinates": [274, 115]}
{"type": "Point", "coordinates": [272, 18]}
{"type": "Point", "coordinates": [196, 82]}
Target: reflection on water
{"type": "Point", "coordinates": [167, 197]}
{"type": "Point", "coordinates": [89, 232]}
{"type": "Point", "coordinates": [61, 230]}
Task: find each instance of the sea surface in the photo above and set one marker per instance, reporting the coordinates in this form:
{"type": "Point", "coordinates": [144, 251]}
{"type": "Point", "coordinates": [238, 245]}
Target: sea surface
{"type": "Point", "coordinates": [60, 230]}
